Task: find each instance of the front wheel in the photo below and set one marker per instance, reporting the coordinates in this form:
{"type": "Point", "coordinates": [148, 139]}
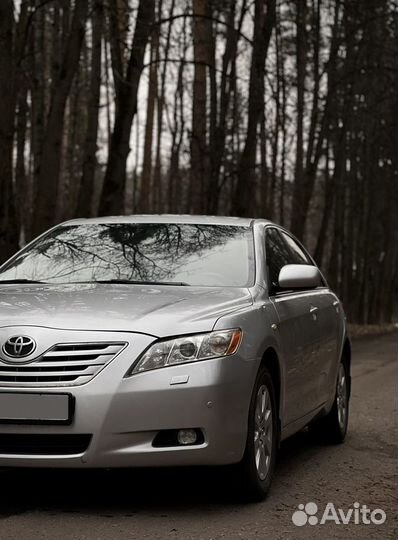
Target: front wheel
{"type": "Point", "coordinates": [257, 466]}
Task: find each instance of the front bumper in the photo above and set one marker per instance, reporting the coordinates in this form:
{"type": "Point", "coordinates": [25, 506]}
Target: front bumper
{"type": "Point", "coordinates": [124, 415]}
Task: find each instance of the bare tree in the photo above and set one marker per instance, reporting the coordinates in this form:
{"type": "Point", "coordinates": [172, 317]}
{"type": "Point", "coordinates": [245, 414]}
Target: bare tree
{"type": "Point", "coordinates": [199, 144]}
{"type": "Point", "coordinates": [112, 199]}
{"type": "Point", "coordinates": [8, 222]}
{"type": "Point", "coordinates": [49, 168]}
{"type": "Point", "coordinates": [85, 200]}
{"type": "Point", "coordinates": [264, 20]}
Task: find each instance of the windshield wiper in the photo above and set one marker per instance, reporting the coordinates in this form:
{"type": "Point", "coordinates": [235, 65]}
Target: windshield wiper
{"type": "Point", "coordinates": [17, 281]}
{"type": "Point", "coordinates": [136, 282]}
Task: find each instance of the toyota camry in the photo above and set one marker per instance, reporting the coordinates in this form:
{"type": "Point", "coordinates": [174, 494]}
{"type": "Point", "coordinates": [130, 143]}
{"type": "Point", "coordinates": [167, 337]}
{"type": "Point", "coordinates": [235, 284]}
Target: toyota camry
{"type": "Point", "coordinates": [168, 340]}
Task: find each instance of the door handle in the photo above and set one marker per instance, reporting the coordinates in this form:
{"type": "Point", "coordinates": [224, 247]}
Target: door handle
{"type": "Point", "coordinates": [313, 309]}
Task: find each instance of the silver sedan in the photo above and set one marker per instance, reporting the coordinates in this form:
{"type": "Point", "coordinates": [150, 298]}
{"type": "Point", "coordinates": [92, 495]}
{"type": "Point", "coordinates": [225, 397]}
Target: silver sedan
{"type": "Point", "coordinates": [168, 340]}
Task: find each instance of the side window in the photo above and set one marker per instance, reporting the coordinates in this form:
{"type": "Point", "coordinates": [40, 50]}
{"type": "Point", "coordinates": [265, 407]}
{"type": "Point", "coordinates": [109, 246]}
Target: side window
{"type": "Point", "coordinates": [281, 249]}
{"type": "Point", "coordinates": [277, 255]}
{"type": "Point", "coordinates": [298, 256]}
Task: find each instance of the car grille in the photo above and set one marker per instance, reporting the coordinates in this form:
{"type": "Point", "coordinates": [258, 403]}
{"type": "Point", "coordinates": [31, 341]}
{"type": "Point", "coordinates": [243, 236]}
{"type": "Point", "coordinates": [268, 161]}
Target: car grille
{"type": "Point", "coordinates": [22, 444]}
{"type": "Point", "coordinates": [62, 365]}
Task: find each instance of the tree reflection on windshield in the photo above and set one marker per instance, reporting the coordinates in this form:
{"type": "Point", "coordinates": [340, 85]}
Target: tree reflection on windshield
{"type": "Point", "coordinates": [211, 255]}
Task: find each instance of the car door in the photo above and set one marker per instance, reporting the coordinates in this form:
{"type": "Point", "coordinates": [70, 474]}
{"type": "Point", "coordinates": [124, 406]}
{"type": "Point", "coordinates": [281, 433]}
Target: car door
{"type": "Point", "coordinates": [298, 328]}
{"type": "Point", "coordinates": [331, 331]}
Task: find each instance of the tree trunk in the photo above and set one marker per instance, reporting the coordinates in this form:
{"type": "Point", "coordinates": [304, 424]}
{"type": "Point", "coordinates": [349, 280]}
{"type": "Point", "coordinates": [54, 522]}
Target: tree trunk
{"type": "Point", "coordinates": [226, 88]}
{"type": "Point", "coordinates": [303, 189]}
{"type": "Point", "coordinates": [146, 176]}
{"type": "Point", "coordinates": [173, 196]}
{"type": "Point", "coordinates": [85, 197]}
{"type": "Point", "coordinates": [298, 214]}
{"type": "Point", "coordinates": [112, 198]}
{"type": "Point", "coordinates": [264, 20]}
{"type": "Point", "coordinates": [162, 202]}
{"type": "Point", "coordinates": [199, 149]}
{"type": "Point", "coordinates": [8, 221]}
{"type": "Point", "coordinates": [48, 175]}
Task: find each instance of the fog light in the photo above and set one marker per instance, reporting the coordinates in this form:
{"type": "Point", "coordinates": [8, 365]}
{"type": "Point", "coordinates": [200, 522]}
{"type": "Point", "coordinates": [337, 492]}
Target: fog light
{"type": "Point", "coordinates": [187, 436]}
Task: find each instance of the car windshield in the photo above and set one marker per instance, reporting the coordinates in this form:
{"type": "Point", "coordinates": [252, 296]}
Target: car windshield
{"type": "Point", "coordinates": [182, 254]}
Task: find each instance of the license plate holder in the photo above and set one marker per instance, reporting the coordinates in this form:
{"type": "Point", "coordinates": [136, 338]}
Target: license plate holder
{"type": "Point", "coordinates": [33, 408]}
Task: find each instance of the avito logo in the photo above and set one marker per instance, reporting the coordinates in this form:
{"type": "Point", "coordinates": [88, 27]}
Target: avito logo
{"type": "Point", "coordinates": [357, 514]}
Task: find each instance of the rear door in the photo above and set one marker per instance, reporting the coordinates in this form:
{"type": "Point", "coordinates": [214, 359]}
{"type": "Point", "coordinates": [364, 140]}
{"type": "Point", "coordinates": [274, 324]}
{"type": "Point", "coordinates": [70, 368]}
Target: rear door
{"type": "Point", "coordinates": [298, 327]}
{"type": "Point", "coordinates": [331, 330]}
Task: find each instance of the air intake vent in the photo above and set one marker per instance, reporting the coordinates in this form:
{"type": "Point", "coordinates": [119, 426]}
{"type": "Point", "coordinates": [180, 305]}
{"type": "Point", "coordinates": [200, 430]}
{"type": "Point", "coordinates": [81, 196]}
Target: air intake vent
{"type": "Point", "coordinates": [64, 364]}
{"type": "Point", "coordinates": [45, 445]}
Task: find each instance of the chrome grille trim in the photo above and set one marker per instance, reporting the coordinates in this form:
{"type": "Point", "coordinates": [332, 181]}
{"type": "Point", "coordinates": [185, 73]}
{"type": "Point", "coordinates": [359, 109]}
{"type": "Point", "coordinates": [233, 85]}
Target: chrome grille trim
{"type": "Point", "coordinates": [64, 364]}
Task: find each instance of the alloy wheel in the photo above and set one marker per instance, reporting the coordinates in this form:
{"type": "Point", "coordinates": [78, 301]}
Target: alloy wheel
{"type": "Point", "coordinates": [342, 397]}
{"type": "Point", "coordinates": [263, 432]}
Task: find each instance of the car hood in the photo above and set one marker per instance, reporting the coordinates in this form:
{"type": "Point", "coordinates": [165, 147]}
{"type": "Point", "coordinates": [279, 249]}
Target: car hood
{"type": "Point", "coordinates": [155, 310]}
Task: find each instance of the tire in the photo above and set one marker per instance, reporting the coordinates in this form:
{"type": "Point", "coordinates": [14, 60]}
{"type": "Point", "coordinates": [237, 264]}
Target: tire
{"type": "Point", "coordinates": [256, 469]}
{"type": "Point", "coordinates": [332, 428]}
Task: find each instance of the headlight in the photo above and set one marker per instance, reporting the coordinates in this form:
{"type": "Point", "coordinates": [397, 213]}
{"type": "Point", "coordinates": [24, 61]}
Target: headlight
{"type": "Point", "coordinates": [188, 349]}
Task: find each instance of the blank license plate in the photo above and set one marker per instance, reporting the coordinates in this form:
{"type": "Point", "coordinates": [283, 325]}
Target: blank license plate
{"type": "Point", "coordinates": [24, 408]}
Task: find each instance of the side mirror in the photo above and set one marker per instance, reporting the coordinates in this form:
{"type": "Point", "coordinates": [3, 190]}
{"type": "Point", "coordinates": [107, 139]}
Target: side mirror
{"type": "Point", "coordinates": [299, 276]}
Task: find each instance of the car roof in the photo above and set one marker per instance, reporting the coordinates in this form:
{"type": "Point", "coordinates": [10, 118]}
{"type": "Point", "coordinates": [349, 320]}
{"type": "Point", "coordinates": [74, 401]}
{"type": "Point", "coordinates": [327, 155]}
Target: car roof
{"type": "Point", "coordinates": [171, 218]}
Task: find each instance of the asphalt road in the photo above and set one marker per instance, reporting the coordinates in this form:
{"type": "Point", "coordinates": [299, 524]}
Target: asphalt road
{"type": "Point", "coordinates": [197, 504]}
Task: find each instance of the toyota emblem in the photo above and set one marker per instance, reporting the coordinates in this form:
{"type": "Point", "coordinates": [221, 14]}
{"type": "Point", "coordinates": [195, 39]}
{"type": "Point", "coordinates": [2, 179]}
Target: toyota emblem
{"type": "Point", "coordinates": [19, 346]}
